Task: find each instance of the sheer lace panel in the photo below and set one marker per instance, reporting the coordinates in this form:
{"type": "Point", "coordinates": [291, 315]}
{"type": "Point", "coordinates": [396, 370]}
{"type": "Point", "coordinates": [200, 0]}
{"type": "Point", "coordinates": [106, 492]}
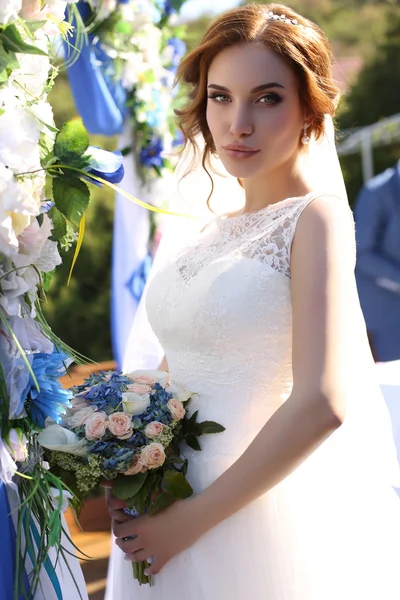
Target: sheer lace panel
{"type": "Point", "coordinates": [265, 235]}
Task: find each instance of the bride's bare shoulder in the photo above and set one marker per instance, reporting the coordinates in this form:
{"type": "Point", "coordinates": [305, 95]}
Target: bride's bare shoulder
{"type": "Point", "coordinates": [325, 225]}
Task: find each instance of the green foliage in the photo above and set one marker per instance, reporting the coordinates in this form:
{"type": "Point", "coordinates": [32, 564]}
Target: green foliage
{"type": "Point", "coordinates": [71, 197]}
{"type": "Point", "coordinates": [80, 313]}
{"type": "Point", "coordinates": [376, 93]}
{"type": "Point", "coordinates": [71, 141]}
{"type": "Point", "coordinates": [11, 42]}
{"type": "Point", "coordinates": [176, 484]}
{"type": "Point", "coordinates": [125, 487]}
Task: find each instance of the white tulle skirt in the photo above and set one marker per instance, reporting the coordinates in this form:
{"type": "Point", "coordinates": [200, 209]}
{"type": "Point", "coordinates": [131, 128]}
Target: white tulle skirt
{"type": "Point", "coordinates": [330, 531]}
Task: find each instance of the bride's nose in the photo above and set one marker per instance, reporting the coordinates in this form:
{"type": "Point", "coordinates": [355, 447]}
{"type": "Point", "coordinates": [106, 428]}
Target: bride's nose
{"type": "Point", "coordinates": [241, 125]}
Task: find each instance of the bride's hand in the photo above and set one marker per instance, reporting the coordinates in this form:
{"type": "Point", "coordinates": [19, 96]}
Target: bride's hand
{"type": "Point", "coordinates": [160, 537]}
{"type": "Point", "coordinates": [116, 507]}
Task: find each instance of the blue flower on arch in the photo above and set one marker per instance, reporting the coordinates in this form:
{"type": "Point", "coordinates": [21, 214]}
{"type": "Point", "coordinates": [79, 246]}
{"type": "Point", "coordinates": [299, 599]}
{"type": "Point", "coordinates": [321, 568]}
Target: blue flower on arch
{"type": "Point", "coordinates": [51, 400]}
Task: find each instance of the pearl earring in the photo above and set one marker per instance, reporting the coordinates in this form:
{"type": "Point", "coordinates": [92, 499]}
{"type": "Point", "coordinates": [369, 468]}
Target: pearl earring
{"type": "Point", "coordinates": [305, 139]}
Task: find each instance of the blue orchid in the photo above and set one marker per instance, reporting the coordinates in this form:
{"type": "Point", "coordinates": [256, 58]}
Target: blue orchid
{"type": "Point", "coordinates": [104, 164]}
{"type": "Point", "coordinates": [151, 155]}
{"type": "Point", "coordinates": [52, 400]}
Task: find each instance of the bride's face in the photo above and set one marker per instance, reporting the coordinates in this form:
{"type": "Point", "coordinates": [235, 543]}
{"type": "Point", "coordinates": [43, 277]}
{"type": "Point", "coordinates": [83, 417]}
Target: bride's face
{"type": "Point", "coordinates": [253, 110]}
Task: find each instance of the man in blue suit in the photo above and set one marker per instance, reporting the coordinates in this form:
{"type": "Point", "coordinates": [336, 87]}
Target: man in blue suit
{"type": "Point", "coordinates": [377, 216]}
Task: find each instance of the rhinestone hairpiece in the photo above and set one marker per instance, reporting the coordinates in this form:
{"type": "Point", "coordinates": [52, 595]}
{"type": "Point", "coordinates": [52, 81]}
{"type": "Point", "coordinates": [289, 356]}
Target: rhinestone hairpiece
{"type": "Point", "coordinates": [272, 17]}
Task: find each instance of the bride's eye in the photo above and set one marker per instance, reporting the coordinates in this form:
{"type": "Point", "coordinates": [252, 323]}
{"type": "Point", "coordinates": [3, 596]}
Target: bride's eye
{"type": "Point", "coordinates": [219, 97]}
{"type": "Point", "coordinates": [270, 99]}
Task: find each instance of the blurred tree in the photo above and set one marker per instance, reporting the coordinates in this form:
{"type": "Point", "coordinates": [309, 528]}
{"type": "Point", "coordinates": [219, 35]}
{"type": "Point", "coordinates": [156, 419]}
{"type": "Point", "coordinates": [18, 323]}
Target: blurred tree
{"type": "Point", "coordinates": [375, 95]}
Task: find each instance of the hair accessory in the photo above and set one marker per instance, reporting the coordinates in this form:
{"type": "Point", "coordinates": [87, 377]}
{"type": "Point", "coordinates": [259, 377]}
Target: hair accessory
{"type": "Point", "coordinates": [272, 17]}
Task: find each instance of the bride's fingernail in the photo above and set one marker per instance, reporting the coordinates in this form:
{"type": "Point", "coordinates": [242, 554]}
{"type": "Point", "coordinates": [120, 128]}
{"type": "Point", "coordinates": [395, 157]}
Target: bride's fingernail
{"type": "Point", "coordinates": [126, 557]}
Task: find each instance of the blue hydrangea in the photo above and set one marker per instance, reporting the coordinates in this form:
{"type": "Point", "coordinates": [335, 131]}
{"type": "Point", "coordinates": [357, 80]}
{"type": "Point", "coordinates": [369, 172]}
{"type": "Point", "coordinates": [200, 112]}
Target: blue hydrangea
{"type": "Point", "coordinates": [106, 396]}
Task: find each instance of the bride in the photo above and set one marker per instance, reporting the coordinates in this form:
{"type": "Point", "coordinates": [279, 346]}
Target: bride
{"type": "Point", "coordinates": [258, 313]}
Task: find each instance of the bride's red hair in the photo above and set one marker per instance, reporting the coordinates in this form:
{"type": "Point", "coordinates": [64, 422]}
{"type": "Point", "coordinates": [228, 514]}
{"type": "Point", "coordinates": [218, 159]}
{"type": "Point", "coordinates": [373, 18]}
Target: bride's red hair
{"type": "Point", "coordinates": [304, 46]}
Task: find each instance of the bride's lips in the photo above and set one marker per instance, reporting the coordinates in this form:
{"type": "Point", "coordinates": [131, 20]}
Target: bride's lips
{"type": "Point", "coordinates": [239, 151]}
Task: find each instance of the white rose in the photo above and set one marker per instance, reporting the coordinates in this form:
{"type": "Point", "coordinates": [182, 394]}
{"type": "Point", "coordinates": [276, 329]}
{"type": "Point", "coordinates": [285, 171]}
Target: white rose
{"type": "Point", "coordinates": [19, 140]}
{"type": "Point", "coordinates": [32, 73]}
{"type": "Point", "coordinates": [160, 377]}
{"type": "Point", "coordinates": [59, 439]}
{"type": "Point", "coordinates": [9, 10]}
{"type": "Point", "coordinates": [133, 404]}
{"type": "Point", "coordinates": [17, 445]}
{"type": "Point", "coordinates": [80, 417]}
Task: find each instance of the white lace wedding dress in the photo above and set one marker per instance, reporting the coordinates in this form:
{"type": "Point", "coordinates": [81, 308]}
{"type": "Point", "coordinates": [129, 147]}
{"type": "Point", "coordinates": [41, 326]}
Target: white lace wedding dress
{"type": "Point", "coordinates": [331, 531]}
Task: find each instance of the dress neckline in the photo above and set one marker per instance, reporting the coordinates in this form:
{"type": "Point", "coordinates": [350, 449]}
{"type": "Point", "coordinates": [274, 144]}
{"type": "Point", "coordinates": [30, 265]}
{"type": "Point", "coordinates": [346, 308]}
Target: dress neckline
{"type": "Point", "coordinates": [265, 209]}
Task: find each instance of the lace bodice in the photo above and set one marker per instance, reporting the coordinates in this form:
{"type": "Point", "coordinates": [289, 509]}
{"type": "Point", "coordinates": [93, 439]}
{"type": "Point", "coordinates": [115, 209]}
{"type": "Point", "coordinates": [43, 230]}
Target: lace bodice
{"type": "Point", "coordinates": [264, 235]}
{"type": "Point", "coordinates": [221, 309]}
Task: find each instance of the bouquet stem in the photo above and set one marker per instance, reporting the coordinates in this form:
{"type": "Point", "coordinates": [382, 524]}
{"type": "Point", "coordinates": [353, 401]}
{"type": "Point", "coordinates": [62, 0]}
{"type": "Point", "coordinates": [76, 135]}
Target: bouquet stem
{"type": "Point", "coordinates": [139, 572]}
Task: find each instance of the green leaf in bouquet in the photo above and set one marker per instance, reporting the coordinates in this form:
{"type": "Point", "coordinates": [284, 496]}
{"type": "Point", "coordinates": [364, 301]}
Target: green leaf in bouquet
{"type": "Point", "coordinates": [71, 196]}
{"type": "Point", "coordinates": [125, 487]}
{"type": "Point", "coordinates": [13, 42]}
{"type": "Point", "coordinates": [189, 424]}
{"type": "Point", "coordinates": [3, 79]}
{"type": "Point", "coordinates": [206, 427]}
{"type": "Point", "coordinates": [59, 224]}
{"type": "Point", "coordinates": [161, 503]}
{"type": "Point", "coordinates": [176, 484]}
{"type": "Point", "coordinates": [192, 441]}
{"type": "Point", "coordinates": [175, 460]}
{"type": "Point", "coordinates": [71, 141]}
{"type": "Point", "coordinates": [138, 501]}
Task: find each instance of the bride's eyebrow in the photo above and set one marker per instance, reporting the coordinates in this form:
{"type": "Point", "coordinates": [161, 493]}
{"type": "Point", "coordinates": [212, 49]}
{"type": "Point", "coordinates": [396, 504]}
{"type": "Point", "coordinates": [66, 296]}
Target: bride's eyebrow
{"type": "Point", "coordinates": [259, 88]}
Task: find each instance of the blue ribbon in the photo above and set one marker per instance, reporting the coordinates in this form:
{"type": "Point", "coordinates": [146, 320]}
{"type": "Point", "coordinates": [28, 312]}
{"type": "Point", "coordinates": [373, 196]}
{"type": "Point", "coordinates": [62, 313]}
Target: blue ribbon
{"type": "Point", "coordinates": [8, 550]}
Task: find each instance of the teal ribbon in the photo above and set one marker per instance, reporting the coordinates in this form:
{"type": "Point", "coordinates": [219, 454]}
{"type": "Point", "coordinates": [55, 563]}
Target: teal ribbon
{"type": "Point", "coordinates": [50, 570]}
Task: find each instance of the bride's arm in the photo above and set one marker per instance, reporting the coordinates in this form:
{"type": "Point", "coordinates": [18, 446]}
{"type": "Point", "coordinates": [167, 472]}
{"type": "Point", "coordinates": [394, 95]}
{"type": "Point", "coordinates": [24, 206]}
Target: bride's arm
{"type": "Point", "coordinates": [163, 364]}
{"type": "Point", "coordinates": [323, 294]}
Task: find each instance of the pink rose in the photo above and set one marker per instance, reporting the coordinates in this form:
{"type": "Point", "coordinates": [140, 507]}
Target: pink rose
{"type": "Point", "coordinates": [138, 388]}
{"type": "Point", "coordinates": [146, 379]}
{"type": "Point", "coordinates": [136, 467]}
{"type": "Point", "coordinates": [154, 429]}
{"type": "Point", "coordinates": [77, 404]}
{"type": "Point", "coordinates": [96, 425]}
{"type": "Point", "coordinates": [79, 417]}
{"type": "Point", "coordinates": [120, 425]}
{"type": "Point", "coordinates": [153, 456]}
{"type": "Point", "coordinates": [176, 409]}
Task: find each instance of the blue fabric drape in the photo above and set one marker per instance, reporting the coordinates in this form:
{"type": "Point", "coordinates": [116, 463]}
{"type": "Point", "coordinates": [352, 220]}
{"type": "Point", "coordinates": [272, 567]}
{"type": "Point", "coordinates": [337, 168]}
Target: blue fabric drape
{"type": "Point", "coordinates": [99, 96]}
{"type": "Point", "coordinates": [7, 549]}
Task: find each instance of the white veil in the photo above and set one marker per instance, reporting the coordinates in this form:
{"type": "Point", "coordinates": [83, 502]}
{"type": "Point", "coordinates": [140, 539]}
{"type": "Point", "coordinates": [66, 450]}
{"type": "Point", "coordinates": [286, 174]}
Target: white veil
{"type": "Point", "coordinates": [191, 190]}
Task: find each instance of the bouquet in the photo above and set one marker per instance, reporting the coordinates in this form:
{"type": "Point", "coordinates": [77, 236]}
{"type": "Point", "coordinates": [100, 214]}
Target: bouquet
{"type": "Point", "coordinates": [128, 429]}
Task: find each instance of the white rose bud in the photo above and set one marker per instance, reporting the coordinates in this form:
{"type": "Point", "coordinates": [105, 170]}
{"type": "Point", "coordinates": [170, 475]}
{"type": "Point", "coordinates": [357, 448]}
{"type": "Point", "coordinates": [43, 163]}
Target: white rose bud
{"type": "Point", "coordinates": [133, 404]}
{"type": "Point", "coordinates": [17, 445]}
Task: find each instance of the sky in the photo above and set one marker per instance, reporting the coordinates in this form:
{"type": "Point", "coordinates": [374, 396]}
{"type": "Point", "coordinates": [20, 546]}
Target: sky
{"type": "Point", "coordinates": [195, 8]}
